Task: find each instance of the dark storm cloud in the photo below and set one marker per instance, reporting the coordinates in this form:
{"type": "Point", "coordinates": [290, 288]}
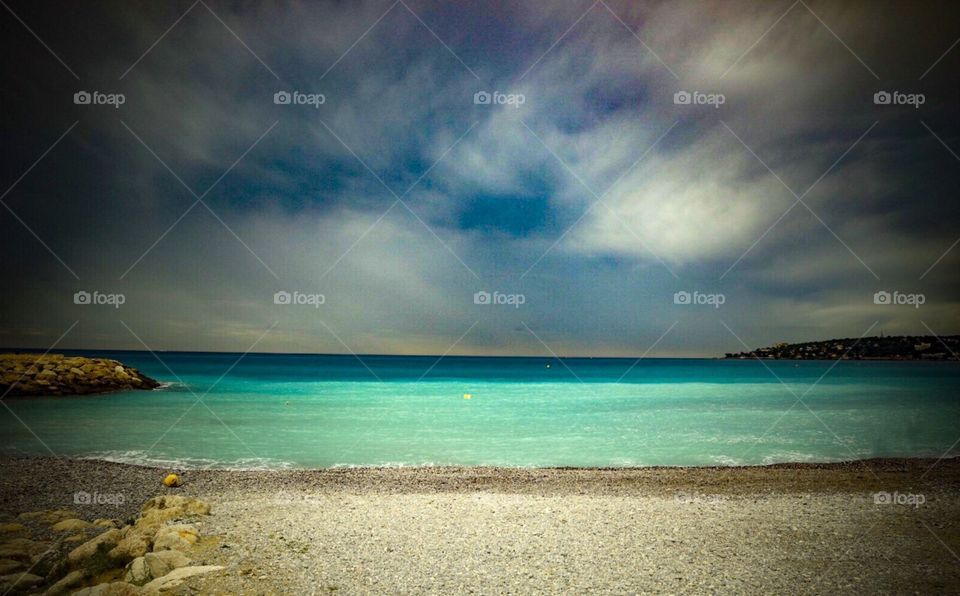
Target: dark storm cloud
{"type": "Point", "coordinates": [494, 197]}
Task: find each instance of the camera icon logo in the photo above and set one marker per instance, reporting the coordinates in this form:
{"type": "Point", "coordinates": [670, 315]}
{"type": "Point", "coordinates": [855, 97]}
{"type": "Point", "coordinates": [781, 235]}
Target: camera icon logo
{"type": "Point", "coordinates": [82, 297]}
{"type": "Point", "coordinates": [281, 98]}
{"type": "Point", "coordinates": [881, 297]}
{"type": "Point", "coordinates": [81, 98]}
{"type": "Point", "coordinates": [82, 498]}
{"type": "Point", "coordinates": [282, 297]}
{"type": "Point", "coordinates": [481, 98]}
{"type": "Point", "coordinates": [882, 498]}
{"type": "Point", "coordinates": [481, 297]}
{"type": "Point", "coordinates": [682, 98]}
{"type": "Point", "coordinates": [682, 298]}
{"type": "Point", "coordinates": [882, 98]}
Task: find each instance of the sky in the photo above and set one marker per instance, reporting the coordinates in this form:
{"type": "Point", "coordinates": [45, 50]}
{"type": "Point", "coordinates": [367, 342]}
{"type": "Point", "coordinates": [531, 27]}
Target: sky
{"type": "Point", "coordinates": [587, 209]}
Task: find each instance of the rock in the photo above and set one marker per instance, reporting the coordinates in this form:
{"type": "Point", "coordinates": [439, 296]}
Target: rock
{"type": "Point", "coordinates": [12, 528]}
{"type": "Point", "coordinates": [153, 565]}
{"type": "Point", "coordinates": [105, 523]}
{"type": "Point", "coordinates": [160, 510]}
{"type": "Point", "coordinates": [176, 577]}
{"type": "Point", "coordinates": [29, 374]}
{"type": "Point", "coordinates": [22, 549]}
{"type": "Point", "coordinates": [133, 545]}
{"type": "Point", "coordinates": [18, 581]}
{"type": "Point", "coordinates": [92, 555]}
{"type": "Point", "coordinates": [71, 525]}
{"type": "Point", "coordinates": [45, 562]}
{"type": "Point", "coordinates": [171, 481]}
{"type": "Point", "coordinates": [75, 538]}
{"type": "Point", "coordinates": [184, 505]}
{"type": "Point", "coordinates": [67, 583]}
{"type": "Point", "coordinates": [48, 517]}
{"type": "Point", "coordinates": [175, 537]}
{"type": "Point", "coordinates": [8, 566]}
{"type": "Point", "coordinates": [111, 589]}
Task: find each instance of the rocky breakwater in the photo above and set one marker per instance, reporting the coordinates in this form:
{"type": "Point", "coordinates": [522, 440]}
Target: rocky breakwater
{"type": "Point", "coordinates": [56, 374]}
{"type": "Point", "coordinates": [54, 552]}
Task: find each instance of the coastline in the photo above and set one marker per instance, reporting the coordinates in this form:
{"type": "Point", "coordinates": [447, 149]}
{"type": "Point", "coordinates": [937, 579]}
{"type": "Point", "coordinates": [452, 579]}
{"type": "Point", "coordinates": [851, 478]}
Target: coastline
{"type": "Point", "coordinates": [783, 528]}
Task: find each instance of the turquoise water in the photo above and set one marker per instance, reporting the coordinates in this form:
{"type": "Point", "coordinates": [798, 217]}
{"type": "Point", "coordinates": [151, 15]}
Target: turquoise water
{"type": "Point", "coordinates": [305, 411]}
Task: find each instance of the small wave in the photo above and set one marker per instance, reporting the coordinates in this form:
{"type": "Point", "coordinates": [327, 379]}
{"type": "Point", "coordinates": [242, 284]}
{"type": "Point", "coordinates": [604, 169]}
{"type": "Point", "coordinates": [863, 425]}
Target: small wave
{"type": "Point", "coordinates": [141, 458]}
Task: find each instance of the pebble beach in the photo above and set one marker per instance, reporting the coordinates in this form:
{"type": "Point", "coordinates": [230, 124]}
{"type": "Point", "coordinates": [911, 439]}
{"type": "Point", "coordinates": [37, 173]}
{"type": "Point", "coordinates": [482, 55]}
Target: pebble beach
{"type": "Point", "coordinates": [886, 526]}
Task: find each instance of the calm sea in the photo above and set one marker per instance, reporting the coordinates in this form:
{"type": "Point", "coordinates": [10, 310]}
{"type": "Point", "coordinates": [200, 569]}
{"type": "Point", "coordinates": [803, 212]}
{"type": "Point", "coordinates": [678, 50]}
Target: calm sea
{"type": "Point", "coordinates": [307, 411]}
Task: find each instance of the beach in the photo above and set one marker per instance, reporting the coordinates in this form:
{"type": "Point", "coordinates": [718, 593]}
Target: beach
{"type": "Point", "coordinates": [790, 528]}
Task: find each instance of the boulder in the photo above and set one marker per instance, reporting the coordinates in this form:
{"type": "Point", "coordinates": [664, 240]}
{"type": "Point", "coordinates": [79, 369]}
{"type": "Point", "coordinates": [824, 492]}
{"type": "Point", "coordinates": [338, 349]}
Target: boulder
{"type": "Point", "coordinates": [45, 562]}
{"type": "Point", "coordinates": [48, 517]}
{"type": "Point", "coordinates": [70, 581]}
{"type": "Point", "coordinates": [71, 525]}
{"type": "Point", "coordinates": [176, 577]}
{"type": "Point", "coordinates": [111, 589]}
{"type": "Point", "coordinates": [8, 566]}
{"type": "Point", "coordinates": [22, 549]}
{"type": "Point", "coordinates": [93, 555]}
{"type": "Point", "coordinates": [153, 565]}
{"type": "Point", "coordinates": [175, 537]}
{"type": "Point", "coordinates": [132, 545]}
{"type": "Point", "coordinates": [105, 523]}
{"type": "Point", "coordinates": [176, 504]}
{"type": "Point", "coordinates": [159, 510]}
{"type": "Point", "coordinates": [12, 528]}
{"type": "Point", "coordinates": [18, 581]}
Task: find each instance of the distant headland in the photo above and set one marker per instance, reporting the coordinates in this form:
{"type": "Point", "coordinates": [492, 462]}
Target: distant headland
{"type": "Point", "coordinates": [23, 375]}
{"type": "Point", "coordinates": [899, 347]}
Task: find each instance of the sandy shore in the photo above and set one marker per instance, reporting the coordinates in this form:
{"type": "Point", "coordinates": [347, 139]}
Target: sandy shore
{"type": "Point", "coordinates": [777, 529]}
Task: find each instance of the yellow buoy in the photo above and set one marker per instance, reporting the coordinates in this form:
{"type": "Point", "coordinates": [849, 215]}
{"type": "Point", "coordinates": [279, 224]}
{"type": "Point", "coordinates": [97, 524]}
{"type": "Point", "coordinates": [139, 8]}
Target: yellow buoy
{"type": "Point", "coordinates": [467, 396]}
{"type": "Point", "coordinates": [171, 481]}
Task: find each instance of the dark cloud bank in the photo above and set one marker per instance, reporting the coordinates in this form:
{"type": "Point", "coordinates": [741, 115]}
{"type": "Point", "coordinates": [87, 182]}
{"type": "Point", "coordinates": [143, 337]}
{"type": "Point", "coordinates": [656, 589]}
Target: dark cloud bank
{"type": "Point", "coordinates": [596, 196]}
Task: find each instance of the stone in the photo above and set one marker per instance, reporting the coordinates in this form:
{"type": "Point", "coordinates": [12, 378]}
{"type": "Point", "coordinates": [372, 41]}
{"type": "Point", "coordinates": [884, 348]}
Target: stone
{"type": "Point", "coordinates": [184, 505]}
{"type": "Point", "coordinates": [75, 538]}
{"type": "Point", "coordinates": [18, 581]}
{"type": "Point", "coordinates": [48, 517]}
{"type": "Point", "coordinates": [12, 528]}
{"type": "Point", "coordinates": [133, 545]}
{"type": "Point", "coordinates": [175, 537]}
{"type": "Point", "coordinates": [22, 549]}
{"type": "Point", "coordinates": [92, 554]}
{"type": "Point", "coordinates": [45, 562]}
{"type": "Point", "coordinates": [105, 523]}
{"type": "Point", "coordinates": [71, 525]}
{"type": "Point", "coordinates": [68, 582]}
{"type": "Point", "coordinates": [110, 589]}
{"type": "Point", "coordinates": [8, 566]}
{"type": "Point", "coordinates": [52, 374]}
{"type": "Point", "coordinates": [176, 577]}
{"type": "Point", "coordinates": [153, 565]}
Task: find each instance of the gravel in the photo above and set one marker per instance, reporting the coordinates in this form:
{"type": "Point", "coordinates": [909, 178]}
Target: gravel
{"type": "Point", "coordinates": [778, 529]}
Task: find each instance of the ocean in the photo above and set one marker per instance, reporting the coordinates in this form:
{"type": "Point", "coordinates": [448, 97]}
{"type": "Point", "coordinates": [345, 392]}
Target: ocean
{"type": "Point", "coordinates": [310, 411]}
